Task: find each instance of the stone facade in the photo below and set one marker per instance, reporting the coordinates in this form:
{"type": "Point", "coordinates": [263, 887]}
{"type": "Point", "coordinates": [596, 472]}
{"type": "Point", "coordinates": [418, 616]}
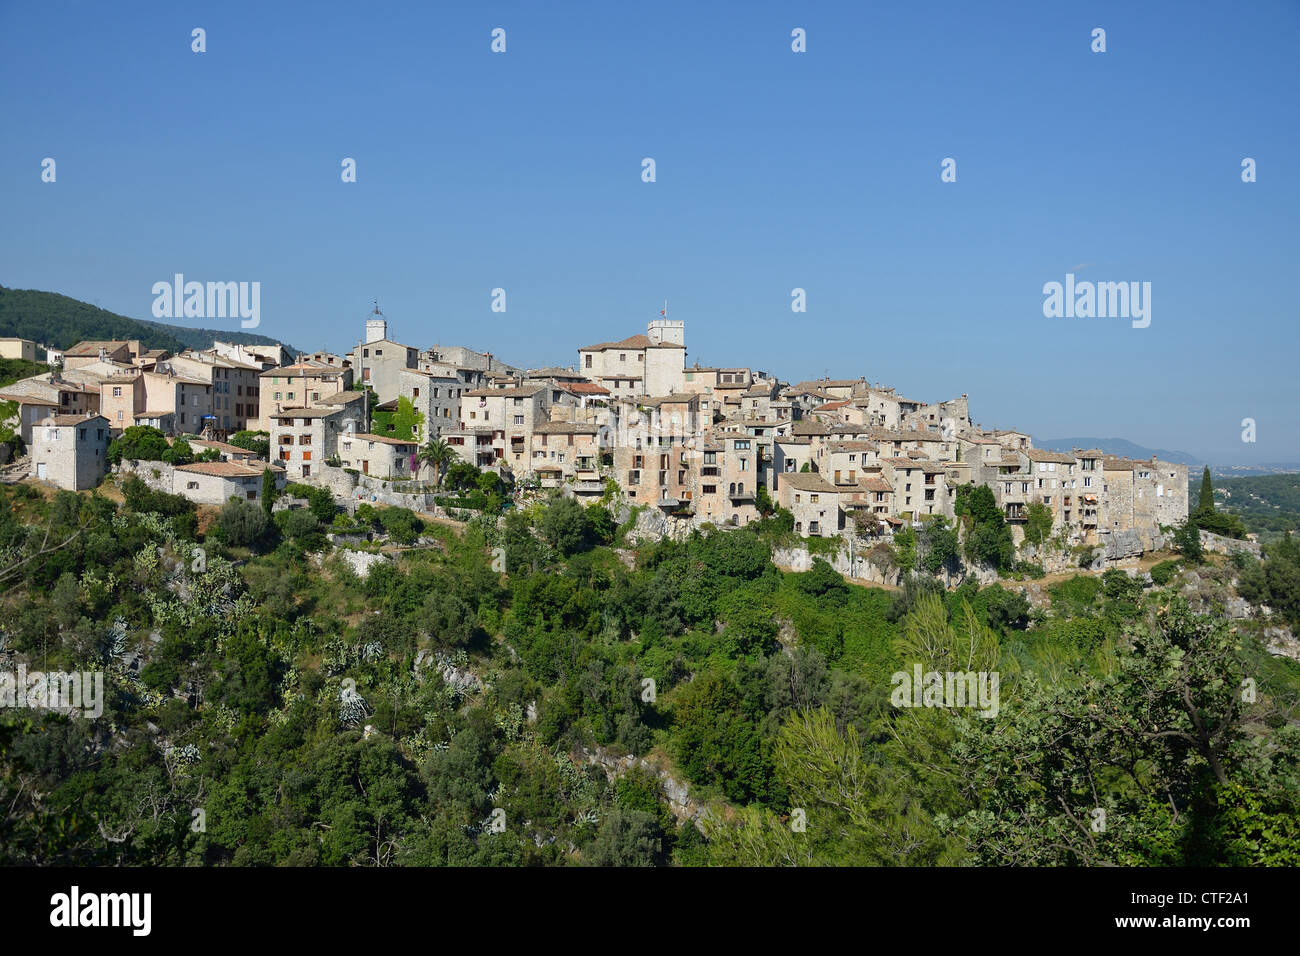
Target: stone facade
{"type": "Point", "coordinates": [71, 451]}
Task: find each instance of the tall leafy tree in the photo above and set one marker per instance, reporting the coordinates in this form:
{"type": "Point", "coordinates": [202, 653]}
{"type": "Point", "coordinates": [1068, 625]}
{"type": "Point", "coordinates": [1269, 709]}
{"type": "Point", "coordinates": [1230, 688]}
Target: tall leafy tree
{"type": "Point", "coordinates": [438, 455]}
{"type": "Point", "coordinates": [1206, 501]}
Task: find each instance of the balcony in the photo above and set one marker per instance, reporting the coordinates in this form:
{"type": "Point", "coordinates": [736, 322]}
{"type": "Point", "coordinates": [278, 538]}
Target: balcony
{"type": "Point", "coordinates": [740, 496]}
{"type": "Point", "coordinates": [582, 487]}
{"type": "Point", "coordinates": [1016, 512]}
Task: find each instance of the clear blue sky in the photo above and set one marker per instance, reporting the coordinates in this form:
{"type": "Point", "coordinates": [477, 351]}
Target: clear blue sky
{"type": "Point", "coordinates": [775, 170]}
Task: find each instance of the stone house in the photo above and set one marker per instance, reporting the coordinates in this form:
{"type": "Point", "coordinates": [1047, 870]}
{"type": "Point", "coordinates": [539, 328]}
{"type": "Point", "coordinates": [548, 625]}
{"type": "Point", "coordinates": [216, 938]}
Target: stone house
{"type": "Point", "coordinates": [378, 455]}
{"type": "Point", "coordinates": [567, 450]}
{"type": "Point", "coordinates": [378, 361]}
{"type": "Point", "coordinates": [814, 502]}
{"type": "Point", "coordinates": [303, 438]}
{"type": "Point", "coordinates": [236, 389]}
{"type": "Point", "coordinates": [71, 451]}
{"type": "Point", "coordinates": [293, 386]}
{"type": "Point", "coordinates": [15, 348]}
{"type": "Point", "coordinates": [216, 482]}
{"type": "Point", "coordinates": [650, 364]}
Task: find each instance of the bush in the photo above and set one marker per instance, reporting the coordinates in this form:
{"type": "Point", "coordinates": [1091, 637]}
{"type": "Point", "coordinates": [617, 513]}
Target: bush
{"type": "Point", "coordinates": [402, 525]}
{"type": "Point", "coordinates": [823, 583]}
{"type": "Point", "coordinates": [1164, 572]}
{"type": "Point", "coordinates": [241, 522]}
{"type": "Point", "coordinates": [1027, 569]}
{"type": "Point", "coordinates": [259, 443]}
{"type": "Point", "coordinates": [1187, 541]}
{"type": "Point", "coordinates": [299, 524]}
{"type": "Point", "coordinates": [319, 500]}
{"type": "Point", "coordinates": [138, 443]}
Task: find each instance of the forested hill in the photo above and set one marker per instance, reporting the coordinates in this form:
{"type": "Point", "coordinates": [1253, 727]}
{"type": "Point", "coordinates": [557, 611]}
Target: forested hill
{"type": "Point", "coordinates": [59, 321]}
{"type": "Point", "coordinates": [1269, 505]}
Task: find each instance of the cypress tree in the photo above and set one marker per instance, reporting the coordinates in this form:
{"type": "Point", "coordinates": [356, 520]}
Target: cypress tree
{"type": "Point", "coordinates": [1206, 502]}
{"type": "Point", "coordinates": [268, 490]}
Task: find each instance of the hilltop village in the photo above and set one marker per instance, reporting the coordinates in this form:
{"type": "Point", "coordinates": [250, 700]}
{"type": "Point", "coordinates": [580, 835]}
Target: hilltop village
{"type": "Point", "coordinates": [630, 421]}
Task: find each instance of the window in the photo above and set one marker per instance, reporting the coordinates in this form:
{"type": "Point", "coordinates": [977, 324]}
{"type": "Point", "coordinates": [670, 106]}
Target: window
{"type": "Point", "coordinates": [622, 356]}
{"type": "Point", "coordinates": [588, 363]}
{"type": "Point", "coordinates": [191, 485]}
{"type": "Point", "coordinates": [117, 391]}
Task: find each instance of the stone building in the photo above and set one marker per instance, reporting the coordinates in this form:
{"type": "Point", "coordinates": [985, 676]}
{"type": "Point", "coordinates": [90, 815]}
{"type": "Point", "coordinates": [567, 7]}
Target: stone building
{"type": "Point", "coordinates": [216, 482]}
{"type": "Point", "coordinates": [378, 455]}
{"type": "Point", "coordinates": [814, 502]}
{"type": "Point", "coordinates": [303, 438]}
{"type": "Point", "coordinates": [71, 451]}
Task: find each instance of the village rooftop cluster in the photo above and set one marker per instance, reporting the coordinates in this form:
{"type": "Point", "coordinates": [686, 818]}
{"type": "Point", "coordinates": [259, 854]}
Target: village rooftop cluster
{"type": "Point", "coordinates": [844, 456]}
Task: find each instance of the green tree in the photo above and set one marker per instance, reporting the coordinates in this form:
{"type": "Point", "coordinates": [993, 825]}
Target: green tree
{"type": "Point", "coordinates": [178, 453]}
{"type": "Point", "coordinates": [1187, 541]}
{"type": "Point", "coordinates": [138, 443]}
{"type": "Point", "coordinates": [259, 443]}
{"type": "Point", "coordinates": [1205, 504]}
{"type": "Point", "coordinates": [566, 526]}
{"type": "Point", "coordinates": [1134, 768]}
{"type": "Point", "coordinates": [269, 493]}
{"type": "Point", "coordinates": [1038, 523]}
{"type": "Point", "coordinates": [438, 455]}
{"type": "Point", "coordinates": [241, 522]}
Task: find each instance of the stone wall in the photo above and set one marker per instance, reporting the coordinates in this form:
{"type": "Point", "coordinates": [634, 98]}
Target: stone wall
{"type": "Point", "coordinates": [1221, 545]}
{"type": "Point", "coordinates": [855, 566]}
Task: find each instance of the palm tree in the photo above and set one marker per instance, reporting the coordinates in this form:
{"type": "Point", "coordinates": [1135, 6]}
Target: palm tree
{"type": "Point", "coordinates": [438, 454]}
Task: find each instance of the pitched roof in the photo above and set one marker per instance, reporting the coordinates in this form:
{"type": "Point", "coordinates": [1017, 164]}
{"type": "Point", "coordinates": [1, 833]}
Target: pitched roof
{"type": "Point", "coordinates": [808, 481]}
{"type": "Point", "coordinates": [317, 369]}
{"type": "Point", "coordinates": [565, 428]}
{"type": "Point", "coordinates": [92, 347]}
{"type": "Point", "coordinates": [223, 469]}
{"type": "Point", "coordinates": [1038, 454]}
{"type": "Point", "coordinates": [583, 388]}
{"type": "Point", "coordinates": [213, 443]}
{"type": "Point", "coordinates": [64, 421]}
{"type": "Point", "coordinates": [385, 439]}
{"type": "Point", "coordinates": [523, 391]}
{"type": "Point", "coordinates": [341, 398]}
{"type": "Point", "coordinates": [632, 342]}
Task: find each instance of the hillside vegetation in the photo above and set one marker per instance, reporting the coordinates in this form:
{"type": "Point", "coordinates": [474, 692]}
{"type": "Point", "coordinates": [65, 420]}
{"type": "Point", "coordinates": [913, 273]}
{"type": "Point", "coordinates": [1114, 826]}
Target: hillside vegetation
{"type": "Point", "coordinates": [1268, 505]}
{"type": "Point", "coordinates": [450, 706]}
{"type": "Point", "coordinates": [59, 321]}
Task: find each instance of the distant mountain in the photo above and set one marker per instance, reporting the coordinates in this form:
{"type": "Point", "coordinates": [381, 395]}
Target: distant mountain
{"type": "Point", "coordinates": [58, 321]}
{"type": "Point", "coordinates": [1121, 447]}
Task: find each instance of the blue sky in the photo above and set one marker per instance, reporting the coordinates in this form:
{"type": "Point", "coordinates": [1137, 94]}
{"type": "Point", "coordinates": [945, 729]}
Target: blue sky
{"type": "Point", "coordinates": [775, 170]}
